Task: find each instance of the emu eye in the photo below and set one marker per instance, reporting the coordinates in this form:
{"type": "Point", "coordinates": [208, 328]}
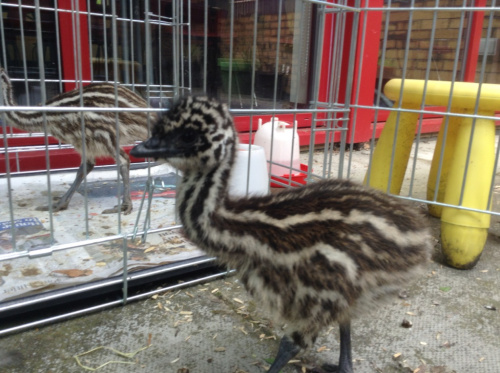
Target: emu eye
{"type": "Point", "coordinates": [189, 136]}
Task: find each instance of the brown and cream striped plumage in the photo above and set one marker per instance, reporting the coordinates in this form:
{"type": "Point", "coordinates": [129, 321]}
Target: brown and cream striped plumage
{"type": "Point", "coordinates": [311, 256]}
{"type": "Point", "coordinates": [101, 134]}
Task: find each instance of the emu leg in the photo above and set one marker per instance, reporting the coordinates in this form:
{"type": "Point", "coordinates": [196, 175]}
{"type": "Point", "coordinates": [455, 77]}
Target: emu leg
{"type": "Point", "coordinates": [63, 202]}
{"type": "Point", "coordinates": [126, 206]}
{"type": "Point", "coordinates": [345, 360]}
{"type": "Point", "coordinates": [287, 350]}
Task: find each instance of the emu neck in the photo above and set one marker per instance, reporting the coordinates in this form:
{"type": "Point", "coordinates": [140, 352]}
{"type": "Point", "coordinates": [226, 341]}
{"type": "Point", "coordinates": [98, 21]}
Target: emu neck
{"type": "Point", "coordinates": [200, 197]}
{"type": "Point", "coordinates": [31, 121]}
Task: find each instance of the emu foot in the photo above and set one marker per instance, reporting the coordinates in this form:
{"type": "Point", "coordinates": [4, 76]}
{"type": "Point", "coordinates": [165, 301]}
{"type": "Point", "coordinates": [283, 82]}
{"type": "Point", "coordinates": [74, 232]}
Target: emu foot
{"type": "Point", "coordinates": [125, 209]}
{"type": "Point", "coordinates": [55, 207]}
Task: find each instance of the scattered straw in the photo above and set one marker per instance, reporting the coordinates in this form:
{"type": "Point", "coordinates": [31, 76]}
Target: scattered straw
{"type": "Point", "coordinates": [128, 355]}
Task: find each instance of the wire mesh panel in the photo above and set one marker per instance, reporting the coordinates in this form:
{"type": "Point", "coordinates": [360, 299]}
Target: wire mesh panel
{"type": "Point", "coordinates": [346, 89]}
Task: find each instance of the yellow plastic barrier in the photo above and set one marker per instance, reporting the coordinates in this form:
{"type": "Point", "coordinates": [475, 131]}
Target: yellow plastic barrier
{"type": "Point", "coordinates": [463, 232]}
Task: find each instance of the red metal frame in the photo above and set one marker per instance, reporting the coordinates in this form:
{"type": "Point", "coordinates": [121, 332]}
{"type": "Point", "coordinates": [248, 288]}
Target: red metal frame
{"type": "Point", "coordinates": [472, 55]}
{"type": "Point", "coordinates": [365, 72]}
{"type": "Point", "coordinates": [70, 40]}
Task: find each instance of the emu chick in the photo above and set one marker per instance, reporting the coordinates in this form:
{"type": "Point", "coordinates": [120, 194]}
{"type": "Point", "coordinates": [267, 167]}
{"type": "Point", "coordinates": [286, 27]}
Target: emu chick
{"type": "Point", "coordinates": [311, 256]}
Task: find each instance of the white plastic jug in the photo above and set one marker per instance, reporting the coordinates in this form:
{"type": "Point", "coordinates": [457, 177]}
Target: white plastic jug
{"type": "Point", "coordinates": [257, 178]}
{"type": "Point", "coordinates": [285, 146]}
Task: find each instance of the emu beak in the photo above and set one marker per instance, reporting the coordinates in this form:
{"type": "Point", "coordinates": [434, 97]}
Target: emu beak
{"type": "Point", "coordinates": [151, 148]}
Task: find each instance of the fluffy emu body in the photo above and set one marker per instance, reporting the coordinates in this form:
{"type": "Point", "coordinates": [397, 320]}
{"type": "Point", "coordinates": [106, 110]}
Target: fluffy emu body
{"type": "Point", "coordinates": [311, 256]}
{"type": "Point", "coordinates": [100, 129]}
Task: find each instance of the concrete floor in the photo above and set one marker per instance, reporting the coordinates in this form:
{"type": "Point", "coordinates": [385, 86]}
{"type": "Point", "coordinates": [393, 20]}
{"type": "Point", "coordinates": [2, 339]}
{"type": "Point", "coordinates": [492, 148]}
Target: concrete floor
{"type": "Point", "coordinates": [216, 327]}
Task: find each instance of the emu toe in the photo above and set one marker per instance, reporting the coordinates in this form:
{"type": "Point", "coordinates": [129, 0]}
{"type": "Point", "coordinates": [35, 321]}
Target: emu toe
{"type": "Point", "coordinates": [331, 368]}
{"type": "Point", "coordinates": [325, 368]}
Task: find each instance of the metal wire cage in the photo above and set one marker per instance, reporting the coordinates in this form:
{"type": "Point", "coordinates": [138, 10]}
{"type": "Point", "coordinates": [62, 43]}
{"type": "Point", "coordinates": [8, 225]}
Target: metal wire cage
{"type": "Point", "coordinates": [324, 69]}
{"type": "Point", "coordinates": [256, 56]}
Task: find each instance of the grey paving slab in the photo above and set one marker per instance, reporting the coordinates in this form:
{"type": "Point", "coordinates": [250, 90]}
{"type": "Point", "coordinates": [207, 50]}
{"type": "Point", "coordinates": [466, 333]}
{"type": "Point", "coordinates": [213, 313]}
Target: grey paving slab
{"type": "Point", "coordinates": [216, 327]}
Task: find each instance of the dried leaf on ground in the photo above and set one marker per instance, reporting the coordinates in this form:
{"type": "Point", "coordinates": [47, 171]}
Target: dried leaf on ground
{"type": "Point", "coordinates": [74, 272]}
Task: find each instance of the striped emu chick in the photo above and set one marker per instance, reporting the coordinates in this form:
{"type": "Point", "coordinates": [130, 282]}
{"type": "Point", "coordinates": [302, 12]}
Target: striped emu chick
{"type": "Point", "coordinates": [311, 256]}
{"type": "Point", "coordinates": [101, 137]}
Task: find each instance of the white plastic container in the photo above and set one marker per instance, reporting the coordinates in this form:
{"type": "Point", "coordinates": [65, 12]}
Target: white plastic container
{"type": "Point", "coordinates": [257, 179]}
{"type": "Point", "coordinates": [285, 146]}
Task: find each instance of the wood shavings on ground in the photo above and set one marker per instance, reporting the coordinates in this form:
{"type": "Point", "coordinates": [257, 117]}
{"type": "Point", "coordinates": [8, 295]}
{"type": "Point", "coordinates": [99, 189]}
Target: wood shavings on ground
{"type": "Point", "coordinates": [243, 330]}
{"type": "Point", "coordinates": [329, 330]}
{"type": "Point", "coordinates": [422, 368]}
{"type": "Point", "coordinates": [263, 337]}
{"type": "Point", "coordinates": [151, 248]}
{"type": "Point", "coordinates": [127, 355]}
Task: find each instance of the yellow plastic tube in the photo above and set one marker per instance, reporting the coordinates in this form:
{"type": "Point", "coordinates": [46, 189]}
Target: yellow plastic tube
{"type": "Point", "coordinates": [464, 233]}
{"type": "Point", "coordinates": [437, 93]}
{"type": "Point", "coordinates": [382, 155]}
{"type": "Point", "coordinates": [449, 150]}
